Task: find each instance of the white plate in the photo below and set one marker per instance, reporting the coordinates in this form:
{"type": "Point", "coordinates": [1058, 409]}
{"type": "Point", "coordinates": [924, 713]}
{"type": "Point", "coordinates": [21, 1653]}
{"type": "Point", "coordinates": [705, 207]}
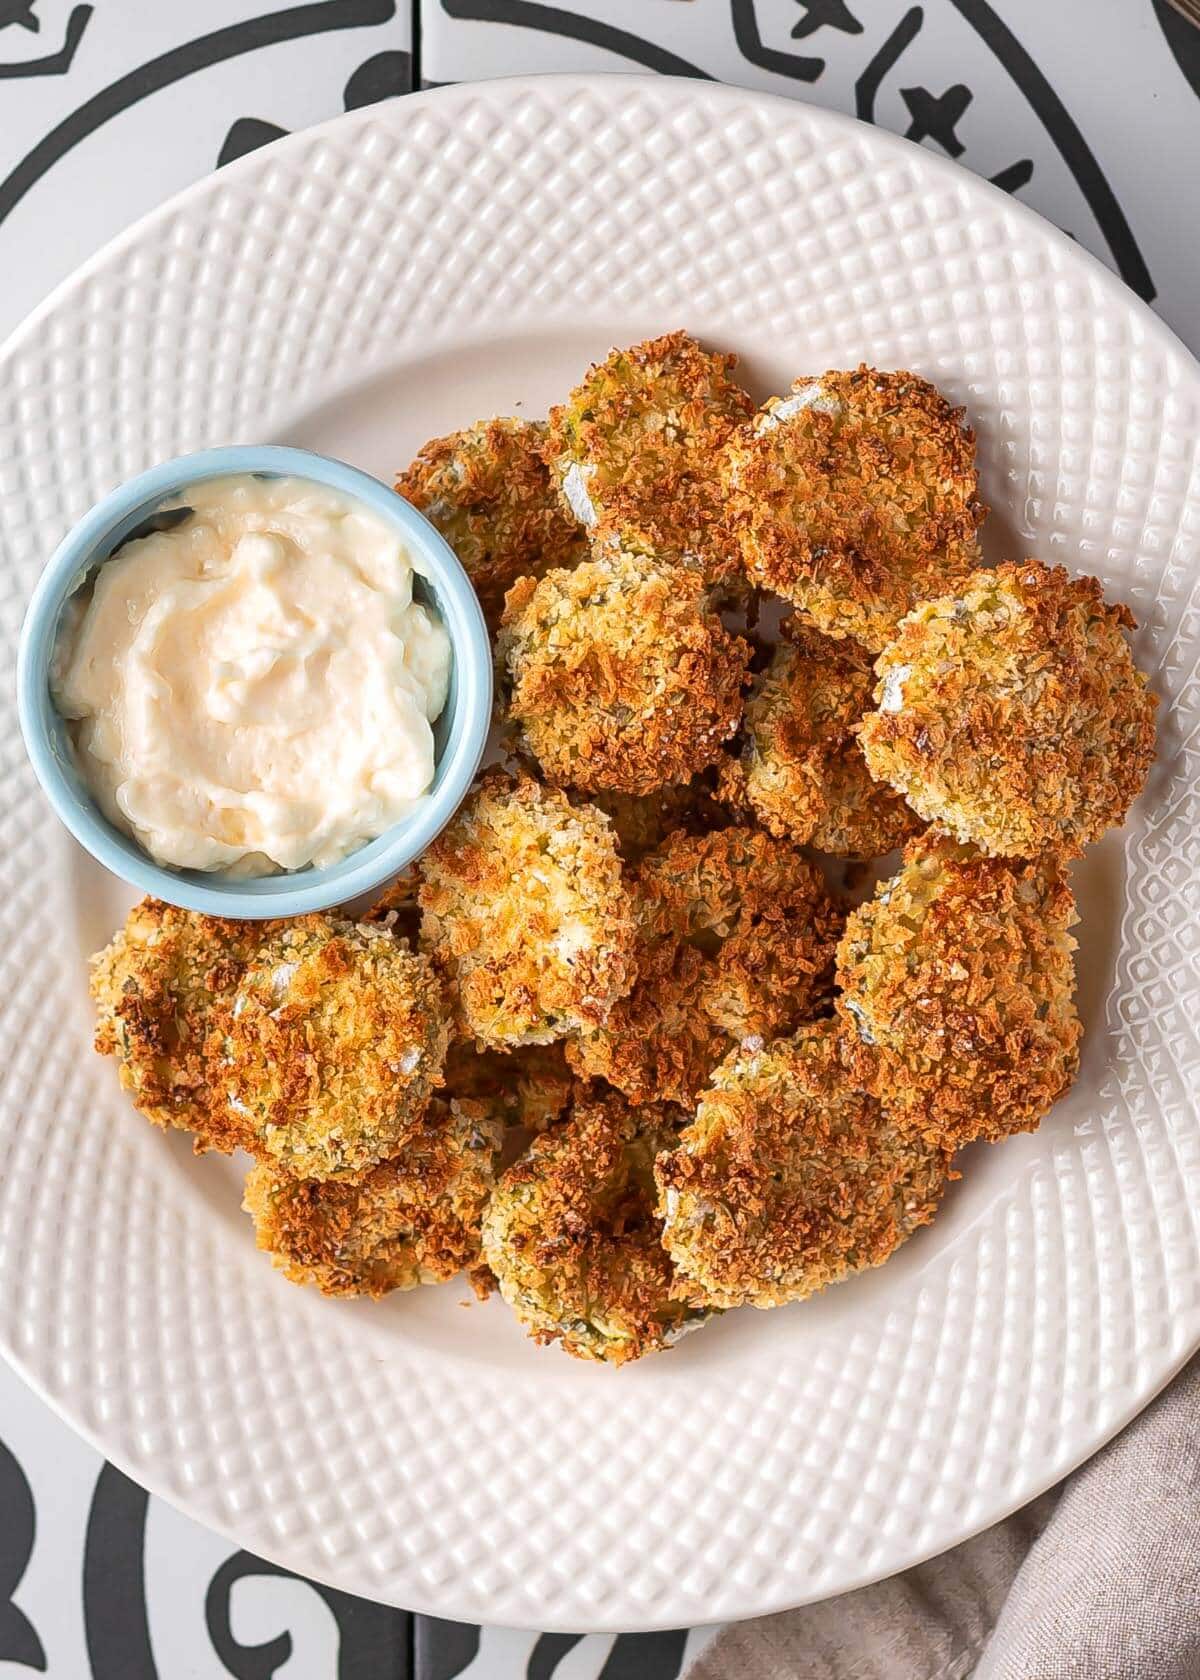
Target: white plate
{"type": "Point", "coordinates": [358, 288]}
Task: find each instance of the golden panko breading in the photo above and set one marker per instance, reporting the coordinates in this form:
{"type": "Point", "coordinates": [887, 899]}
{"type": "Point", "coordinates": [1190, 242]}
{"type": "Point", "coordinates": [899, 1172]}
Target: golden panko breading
{"type": "Point", "coordinates": [524, 906]}
{"type": "Point", "coordinates": [761, 912]}
{"type": "Point", "coordinates": [659, 1043]}
{"type": "Point", "coordinates": [1012, 713]}
{"type": "Point", "coordinates": [331, 1047]}
{"type": "Point", "coordinates": [573, 1240]}
{"type": "Point", "coordinates": [413, 1219]}
{"type": "Point", "coordinates": [790, 1177]}
{"type": "Point", "coordinates": [801, 771]}
{"type": "Point", "coordinates": [490, 494]}
{"type": "Point", "coordinates": [155, 987]}
{"type": "Point", "coordinates": [957, 984]}
{"type": "Point", "coordinates": [619, 674]}
{"type": "Point", "coordinates": [642, 821]}
{"type": "Point", "coordinates": [530, 1087]}
{"type": "Point", "coordinates": [855, 497]}
{"type": "Point", "coordinates": [738, 934]}
{"type": "Point", "coordinates": [635, 449]}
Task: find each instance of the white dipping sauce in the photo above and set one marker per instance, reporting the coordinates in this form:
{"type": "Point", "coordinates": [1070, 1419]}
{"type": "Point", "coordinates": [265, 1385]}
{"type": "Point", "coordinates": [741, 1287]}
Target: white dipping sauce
{"type": "Point", "coordinates": [254, 689]}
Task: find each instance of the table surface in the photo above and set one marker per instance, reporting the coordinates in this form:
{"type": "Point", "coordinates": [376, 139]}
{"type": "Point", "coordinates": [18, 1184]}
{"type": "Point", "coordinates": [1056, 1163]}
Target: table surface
{"type": "Point", "coordinates": [1090, 114]}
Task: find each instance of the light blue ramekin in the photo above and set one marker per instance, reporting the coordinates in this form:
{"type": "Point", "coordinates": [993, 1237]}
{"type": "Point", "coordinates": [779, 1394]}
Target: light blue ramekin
{"type": "Point", "coordinates": [460, 733]}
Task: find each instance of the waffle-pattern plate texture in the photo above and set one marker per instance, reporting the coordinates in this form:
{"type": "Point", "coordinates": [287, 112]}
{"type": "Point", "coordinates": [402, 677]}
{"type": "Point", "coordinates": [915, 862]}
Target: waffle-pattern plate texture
{"type": "Point", "coordinates": [357, 288]}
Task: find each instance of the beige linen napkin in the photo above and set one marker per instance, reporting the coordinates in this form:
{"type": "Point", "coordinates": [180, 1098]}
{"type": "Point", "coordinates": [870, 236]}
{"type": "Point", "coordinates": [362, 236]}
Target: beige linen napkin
{"type": "Point", "coordinates": [1098, 1580]}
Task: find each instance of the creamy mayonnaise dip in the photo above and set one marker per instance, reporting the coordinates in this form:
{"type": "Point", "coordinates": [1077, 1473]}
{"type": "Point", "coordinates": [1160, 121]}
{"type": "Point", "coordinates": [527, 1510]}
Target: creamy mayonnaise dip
{"type": "Point", "coordinates": [253, 689]}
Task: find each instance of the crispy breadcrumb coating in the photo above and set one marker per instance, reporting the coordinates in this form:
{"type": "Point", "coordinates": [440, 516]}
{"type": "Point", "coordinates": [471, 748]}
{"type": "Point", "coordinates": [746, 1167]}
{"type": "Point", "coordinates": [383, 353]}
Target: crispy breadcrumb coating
{"type": "Point", "coordinates": [761, 912]}
{"type": "Point", "coordinates": [659, 1043]}
{"type": "Point", "coordinates": [642, 821]}
{"type": "Point", "coordinates": [331, 1047]}
{"type": "Point", "coordinates": [635, 448]}
{"type": "Point", "coordinates": [413, 1219]}
{"type": "Point", "coordinates": [790, 1177]}
{"type": "Point", "coordinates": [156, 986]}
{"type": "Point", "coordinates": [619, 674]}
{"type": "Point", "coordinates": [573, 1240]}
{"type": "Point", "coordinates": [525, 908]}
{"type": "Point", "coordinates": [957, 984]}
{"type": "Point", "coordinates": [530, 1087]}
{"type": "Point", "coordinates": [738, 934]}
{"type": "Point", "coordinates": [801, 771]}
{"type": "Point", "coordinates": [1012, 713]}
{"type": "Point", "coordinates": [855, 497]}
{"type": "Point", "coordinates": [489, 492]}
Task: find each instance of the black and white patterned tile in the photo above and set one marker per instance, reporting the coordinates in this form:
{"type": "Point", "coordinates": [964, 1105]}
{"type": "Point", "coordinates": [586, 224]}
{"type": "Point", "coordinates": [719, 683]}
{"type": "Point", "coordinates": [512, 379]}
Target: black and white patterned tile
{"type": "Point", "coordinates": [1089, 113]}
{"type": "Point", "coordinates": [108, 108]}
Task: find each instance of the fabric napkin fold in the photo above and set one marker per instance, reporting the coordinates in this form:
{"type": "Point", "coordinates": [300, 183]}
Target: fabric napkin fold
{"type": "Point", "coordinates": [1097, 1580]}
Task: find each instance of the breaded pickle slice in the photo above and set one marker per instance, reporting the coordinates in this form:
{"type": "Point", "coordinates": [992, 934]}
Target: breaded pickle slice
{"type": "Point", "coordinates": [156, 986]}
{"type": "Point", "coordinates": [760, 912]}
{"type": "Point", "coordinates": [574, 1243]}
{"type": "Point", "coordinates": [635, 450]}
{"type": "Point", "coordinates": [659, 1043]}
{"type": "Point", "coordinates": [619, 675]}
{"type": "Point", "coordinates": [524, 906]}
{"type": "Point", "coordinates": [410, 1220]}
{"type": "Point", "coordinates": [1012, 713]}
{"type": "Point", "coordinates": [957, 989]}
{"type": "Point", "coordinates": [800, 769]}
{"type": "Point", "coordinates": [737, 935]}
{"type": "Point", "coordinates": [791, 1177]}
{"type": "Point", "coordinates": [331, 1047]}
{"type": "Point", "coordinates": [490, 494]}
{"type": "Point", "coordinates": [855, 497]}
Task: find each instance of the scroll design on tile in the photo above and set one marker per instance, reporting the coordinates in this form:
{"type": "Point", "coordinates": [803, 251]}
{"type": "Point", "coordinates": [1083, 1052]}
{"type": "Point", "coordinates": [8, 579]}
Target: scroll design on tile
{"type": "Point", "coordinates": [316, 18]}
{"type": "Point", "coordinates": [373, 1639]}
{"type": "Point", "coordinates": [56, 63]}
{"type": "Point", "coordinates": [19, 1642]}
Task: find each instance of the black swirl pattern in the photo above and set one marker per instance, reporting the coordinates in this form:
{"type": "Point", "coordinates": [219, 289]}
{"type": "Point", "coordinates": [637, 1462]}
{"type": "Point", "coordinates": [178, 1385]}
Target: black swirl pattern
{"type": "Point", "coordinates": [382, 76]}
{"type": "Point", "coordinates": [21, 14]}
{"type": "Point", "coordinates": [18, 1641]}
{"type": "Point", "coordinates": [1183, 39]}
{"type": "Point", "coordinates": [115, 1618]}
{"type": "Point", "coordinates": [373, 1640]}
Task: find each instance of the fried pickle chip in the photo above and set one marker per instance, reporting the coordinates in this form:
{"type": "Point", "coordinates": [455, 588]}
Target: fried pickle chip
{"type": "Point", "coordinates": [737, 935]}
{"type": "Point", "coordinates": [331, 1047]}
{"type": "Point", "coordinates": [801, 771]}
{"type": "Point", "coordinates": [490, 494]}
{"type": "Point", "coordinates": [635, 450]}
{"type": "Point", "coordinates": [855, 497]}
{"type": "Point", "coordinates": [413, 1219]}
{"type": "Point", "coordinates": [156, 985]}
{"type": "Point", "coordinates": [574, 1243]}
{"type": "Point", "coordinates": [791, 1177]}
{"type": "Point", "coordinates": [524, 907]}
{"type": "Point", "coordinates": [619, 674]}
{"type": "Point", "coordinates": [1012, 713]}
{"type": "Point", "coordinates": [957, 983]}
